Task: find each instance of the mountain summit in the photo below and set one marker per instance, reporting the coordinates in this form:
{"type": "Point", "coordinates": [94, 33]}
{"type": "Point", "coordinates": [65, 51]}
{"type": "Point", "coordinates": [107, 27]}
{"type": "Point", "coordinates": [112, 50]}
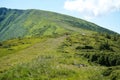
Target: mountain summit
{"type": "Point", "coordinates": [26, 23]}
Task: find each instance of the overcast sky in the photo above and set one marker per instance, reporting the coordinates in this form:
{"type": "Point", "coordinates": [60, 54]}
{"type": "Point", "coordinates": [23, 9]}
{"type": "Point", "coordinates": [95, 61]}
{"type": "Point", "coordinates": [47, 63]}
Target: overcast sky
{"type": "Point", "coordinates": [105, 13]}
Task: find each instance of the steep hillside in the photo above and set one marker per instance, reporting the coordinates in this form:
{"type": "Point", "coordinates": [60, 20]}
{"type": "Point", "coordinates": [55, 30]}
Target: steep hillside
{"type": "Point", "coordinates": [26, 23]}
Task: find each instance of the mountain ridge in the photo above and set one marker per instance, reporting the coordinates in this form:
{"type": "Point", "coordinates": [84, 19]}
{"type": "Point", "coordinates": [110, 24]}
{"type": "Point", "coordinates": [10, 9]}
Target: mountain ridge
{"type": "Point", "coordinates": [16, 23]}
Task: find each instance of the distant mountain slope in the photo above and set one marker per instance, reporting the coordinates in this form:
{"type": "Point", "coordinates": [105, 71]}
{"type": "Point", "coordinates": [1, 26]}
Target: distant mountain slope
{"type": "Point", "coordinates": [26, 23]}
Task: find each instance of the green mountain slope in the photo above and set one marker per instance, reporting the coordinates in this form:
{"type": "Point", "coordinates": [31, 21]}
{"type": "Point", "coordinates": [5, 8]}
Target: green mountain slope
{"type": "Point", "coordinates": [43, 45]}
{"type": "Point", "coordinates": [26, 23]}
{"type": "Point", "coordinates": [67, 57]}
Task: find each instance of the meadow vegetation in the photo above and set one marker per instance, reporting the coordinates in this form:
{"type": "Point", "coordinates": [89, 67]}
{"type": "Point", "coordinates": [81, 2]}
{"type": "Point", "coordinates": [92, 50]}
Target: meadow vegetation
{"type": "Point", "coordinates": [42, 45]}
{"type": "Point", "coordinates": [67, 57]}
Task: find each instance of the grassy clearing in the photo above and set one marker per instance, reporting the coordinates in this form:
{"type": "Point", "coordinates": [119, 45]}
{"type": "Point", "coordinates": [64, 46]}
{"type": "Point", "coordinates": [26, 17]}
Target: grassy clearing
{"type": "Point", "coordinates": [15, 45]}
{"type": "Point", "coordinates": [27, 54]}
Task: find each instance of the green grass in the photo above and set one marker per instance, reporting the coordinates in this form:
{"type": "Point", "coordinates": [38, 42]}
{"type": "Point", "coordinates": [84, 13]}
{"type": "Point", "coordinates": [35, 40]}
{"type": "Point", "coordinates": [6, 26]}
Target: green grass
{"type": "Point", "coordinates": [24, 23]}
{"type": "Point", "coordinates": [42, 45]}
{"type": "Point", "coordinates": [15, 45]}
{"type": "Point", "coordinates": [55, 59]}
{"type": "Point", "coordinates": [50, 64]}
{"type": "Point", "coordinates": [45, 67]}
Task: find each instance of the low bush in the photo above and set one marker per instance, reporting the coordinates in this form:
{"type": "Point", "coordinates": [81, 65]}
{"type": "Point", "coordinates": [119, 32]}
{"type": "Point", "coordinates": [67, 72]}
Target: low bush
{"type": "Point", "coordinates": [1, 44]}
{"type": "Point", "coordinates": [104, 59]}
{"type": "Point", "coordinates": [107, 72]}
{"type": "Point", "coordinates": [84, 47]}
{"type": "Point", "coordinates": [105, 46]}
{"type": "Point", "coordinates": [7, 46]}
{"type": "Point", "coordinates": [112, 72]}
{"type": "Point", "coordinates": [87, 47]}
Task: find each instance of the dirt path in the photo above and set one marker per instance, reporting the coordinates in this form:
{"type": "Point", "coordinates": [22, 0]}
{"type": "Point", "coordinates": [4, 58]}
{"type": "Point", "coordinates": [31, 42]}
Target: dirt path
{"type": "Point", "coordinates": [30, 53]}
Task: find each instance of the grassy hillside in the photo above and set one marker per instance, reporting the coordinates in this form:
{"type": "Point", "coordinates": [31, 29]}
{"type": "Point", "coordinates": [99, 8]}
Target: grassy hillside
{"type": "Point", "coordinates": [26, 23]}
{"type": "Point", "coordinates": [74, 56]}
{"type": "Point", "coordinates": [42, 45]}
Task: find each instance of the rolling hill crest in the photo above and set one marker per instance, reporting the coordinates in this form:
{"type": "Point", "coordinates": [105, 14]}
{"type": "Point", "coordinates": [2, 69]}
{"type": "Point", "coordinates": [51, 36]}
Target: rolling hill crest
{"type": "Point", "coordinates": [27, 23]}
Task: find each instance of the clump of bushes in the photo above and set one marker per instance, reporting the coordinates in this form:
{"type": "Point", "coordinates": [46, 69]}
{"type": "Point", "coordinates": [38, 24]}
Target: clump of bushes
{"type": "Point", "coordinates": [87, 47]}
{"type": "Point", "coordinates": [7, 46]}
{"type": "Point", "coordinates": [116, 37]}
{"type": "Point", "coordinates": [1, 44]}
{"type": "Point", "coordinates": [84, 47]}
{"type": "Point", "coordinates": [107, 72]}
{"type": "Point", "coordinates": [112, 72]}
{"type": "Point", "coordinates": [105, 46]}
{"type": "Point", "coordinates": [108, 36]}
{"type": "Point", "coordinates": [104, 59]}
